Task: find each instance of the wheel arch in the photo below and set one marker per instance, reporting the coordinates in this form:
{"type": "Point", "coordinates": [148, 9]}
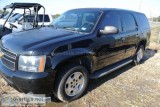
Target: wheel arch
{"type": "Point", "coordinates": [81, 56]}
{"type": "Point", "coordinates": [142, 42]}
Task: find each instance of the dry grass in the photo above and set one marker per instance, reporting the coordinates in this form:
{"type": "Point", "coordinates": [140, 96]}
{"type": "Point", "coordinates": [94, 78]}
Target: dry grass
{"type": "Point", "coordinates": [130, 86]}
{"type": "Point", "coordinates": [155, 37]}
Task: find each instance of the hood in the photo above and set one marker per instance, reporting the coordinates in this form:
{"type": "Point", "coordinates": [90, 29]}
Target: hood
{"type": "Point", "coordinates": [28, 41]}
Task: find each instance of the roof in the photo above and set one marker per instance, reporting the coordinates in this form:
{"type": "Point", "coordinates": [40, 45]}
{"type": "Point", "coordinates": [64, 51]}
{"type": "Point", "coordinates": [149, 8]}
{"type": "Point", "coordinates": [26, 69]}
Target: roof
{"type": "Point", "coordinates": [106, 9]}
{"type": "Point", "coordinates": [22, 5]}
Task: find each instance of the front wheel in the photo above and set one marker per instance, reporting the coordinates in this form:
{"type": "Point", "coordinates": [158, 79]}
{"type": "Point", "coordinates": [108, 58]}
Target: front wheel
{"type": "Point", "coordinates": [139, 55]}
{"type": "Point", "coordinates": [72, 83]}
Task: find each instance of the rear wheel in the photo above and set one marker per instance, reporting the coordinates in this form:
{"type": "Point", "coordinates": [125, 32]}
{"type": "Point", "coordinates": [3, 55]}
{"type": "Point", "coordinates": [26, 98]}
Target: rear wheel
{"type": "Point", "coordinates": [139, 55]}
{"type": "Point", "coordinates": [72, 83]}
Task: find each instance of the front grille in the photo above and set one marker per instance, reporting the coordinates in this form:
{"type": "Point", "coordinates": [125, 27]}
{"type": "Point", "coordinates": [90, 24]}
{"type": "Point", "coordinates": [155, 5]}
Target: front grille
{"type": "Point", "coordinates": [9, 59]}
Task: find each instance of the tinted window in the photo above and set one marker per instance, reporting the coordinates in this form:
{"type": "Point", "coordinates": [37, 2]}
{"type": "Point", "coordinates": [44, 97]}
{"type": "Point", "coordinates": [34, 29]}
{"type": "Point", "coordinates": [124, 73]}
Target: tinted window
{"type": "Point", "coordinates": [77, 20]}
{"type": "Point", "coordinates": [128, 22]}
{"type": "Point", "coordinates": [144, 24]}
{"type": "Point", "coordinates": [112, 19]}
{"type": "Point", "coordinates": [46, 18]}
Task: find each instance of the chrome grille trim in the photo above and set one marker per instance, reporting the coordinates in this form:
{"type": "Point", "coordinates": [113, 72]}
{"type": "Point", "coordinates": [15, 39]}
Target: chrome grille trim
{"type": "Point", "coordinates": [12, 57]}
{"type": "Point", "coordinates": [3, 50]}
{"type": "Point", "coordinates": [9, 61]}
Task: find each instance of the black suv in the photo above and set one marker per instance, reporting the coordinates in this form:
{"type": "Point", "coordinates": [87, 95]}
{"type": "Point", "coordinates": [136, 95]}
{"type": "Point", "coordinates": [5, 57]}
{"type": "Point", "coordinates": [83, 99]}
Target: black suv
{"type": "Point", "coordinates": [81, 44]}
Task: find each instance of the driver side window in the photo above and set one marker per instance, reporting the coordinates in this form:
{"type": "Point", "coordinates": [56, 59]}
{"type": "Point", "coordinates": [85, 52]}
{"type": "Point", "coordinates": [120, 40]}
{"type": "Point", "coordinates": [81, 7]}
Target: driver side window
{"type": "Point", "coordinates": [112, 19]}
{"type": "Point", "coordinates": [88, 22]}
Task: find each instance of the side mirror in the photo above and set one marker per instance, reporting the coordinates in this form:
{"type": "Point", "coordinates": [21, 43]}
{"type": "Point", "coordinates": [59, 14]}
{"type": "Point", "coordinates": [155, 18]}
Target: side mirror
{"type": "Point", "coordinates": [109, 30]}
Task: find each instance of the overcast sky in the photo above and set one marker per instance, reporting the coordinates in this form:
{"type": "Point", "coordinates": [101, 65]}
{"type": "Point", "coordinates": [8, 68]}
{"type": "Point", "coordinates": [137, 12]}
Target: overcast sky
{"type": "Point", "coordinates": [149, 7]}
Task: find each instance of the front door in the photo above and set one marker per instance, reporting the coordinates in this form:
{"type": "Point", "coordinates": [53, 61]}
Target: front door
{"type": "Point", "coordinates": [111, 47]}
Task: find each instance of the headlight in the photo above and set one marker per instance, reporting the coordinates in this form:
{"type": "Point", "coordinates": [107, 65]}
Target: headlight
{"type": "Point", "coordinates": [32, 63]}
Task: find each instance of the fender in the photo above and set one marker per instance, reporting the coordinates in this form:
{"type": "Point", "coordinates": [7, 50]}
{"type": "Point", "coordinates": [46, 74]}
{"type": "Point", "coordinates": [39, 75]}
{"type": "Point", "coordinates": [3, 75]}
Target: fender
{"type": "Point", "coordinates": [64, 56]}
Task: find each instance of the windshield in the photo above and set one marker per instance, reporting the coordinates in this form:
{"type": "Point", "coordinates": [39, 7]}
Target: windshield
{"type": "Point", "coordinates": [77, 20]}
{"type": "Point", "coordinates": [12, 15]}
{"type": "Point", "coordinates": [6, 16]}
{"type": "Point", "coordinates": [15, 18]}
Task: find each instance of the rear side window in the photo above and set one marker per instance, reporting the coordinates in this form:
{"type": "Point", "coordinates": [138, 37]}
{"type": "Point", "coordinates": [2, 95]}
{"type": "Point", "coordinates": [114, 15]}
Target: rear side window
{"type": "Point", "coordinates": [46, 18]}
{"type": "Point", "coordinates": [128, 22]}
{"type": "Point", "coordinates": [112, 19]}
{"type": "Point", "coordinates": [30, 18]}
{"type": "Point", "coordinates": [143, 22]}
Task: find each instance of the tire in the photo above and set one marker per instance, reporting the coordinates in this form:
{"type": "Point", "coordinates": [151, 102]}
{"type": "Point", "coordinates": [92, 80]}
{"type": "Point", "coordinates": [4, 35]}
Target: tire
{"type": "Point", "coordinates": [139, 55]}
{"type": "Point", "coordinates": [72, 82]}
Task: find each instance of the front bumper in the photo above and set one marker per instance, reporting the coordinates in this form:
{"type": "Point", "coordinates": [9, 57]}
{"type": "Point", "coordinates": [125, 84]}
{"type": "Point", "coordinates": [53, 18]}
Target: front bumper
{"type": "Point", "coordinates": [27, 82]}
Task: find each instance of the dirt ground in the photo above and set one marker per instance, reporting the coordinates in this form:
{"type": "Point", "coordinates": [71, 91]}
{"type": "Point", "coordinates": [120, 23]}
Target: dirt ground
{"type": "Point", "coordinates": [130, 86]}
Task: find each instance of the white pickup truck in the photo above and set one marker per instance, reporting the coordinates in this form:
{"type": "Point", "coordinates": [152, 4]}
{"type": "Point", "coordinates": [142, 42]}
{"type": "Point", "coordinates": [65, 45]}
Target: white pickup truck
{"type": "Point", "coordinates": [27, 23]}
{"type": "Point", "coordinates": [28, 19]}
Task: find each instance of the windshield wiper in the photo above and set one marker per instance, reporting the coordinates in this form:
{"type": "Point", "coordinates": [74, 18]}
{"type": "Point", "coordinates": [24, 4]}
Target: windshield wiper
{"type": "Point", "coordinates": [71, 28]}
{"type": "Point", "coordinates": [67, 28]}
{"type": "Point", "coordinates": [53, 26]}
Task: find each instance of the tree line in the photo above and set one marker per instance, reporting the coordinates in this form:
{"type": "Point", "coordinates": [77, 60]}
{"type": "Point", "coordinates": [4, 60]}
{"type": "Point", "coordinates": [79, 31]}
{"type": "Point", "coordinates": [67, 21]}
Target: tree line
{"type": "Point", "coordinates": [155, 19]}
{"type": "Point", "coordinates": [55, 16]}
{"type": "Point", "coordinates": [1, 11]}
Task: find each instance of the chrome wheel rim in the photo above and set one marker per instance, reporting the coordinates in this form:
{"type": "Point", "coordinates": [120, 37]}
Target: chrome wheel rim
{"type": "Point", "coordinates": [139, 55]}
{"type": "Point", "coordinates": [74, 84]}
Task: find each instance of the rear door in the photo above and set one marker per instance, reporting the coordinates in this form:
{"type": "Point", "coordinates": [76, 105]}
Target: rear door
{"type": "Point", "coordinates": [144, 27]}
{"type": "Point", "coordinates": [130, 30]}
